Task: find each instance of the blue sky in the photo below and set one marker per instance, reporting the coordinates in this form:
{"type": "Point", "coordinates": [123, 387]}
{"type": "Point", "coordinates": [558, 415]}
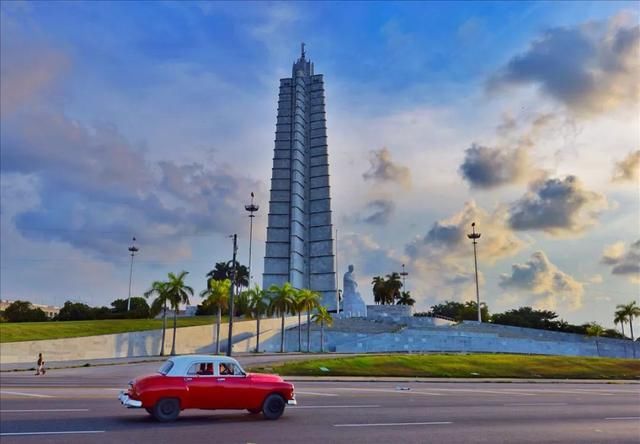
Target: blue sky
{"type": "Point", "coordinates": [156, 119]}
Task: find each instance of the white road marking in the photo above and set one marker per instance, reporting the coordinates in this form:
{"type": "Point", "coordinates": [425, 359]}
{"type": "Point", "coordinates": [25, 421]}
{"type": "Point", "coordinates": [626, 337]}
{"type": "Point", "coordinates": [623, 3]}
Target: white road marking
{"type": "Point", "coordinates": [554, 391]}
{"type": "Point", "coordinates": [403, 392]}
{"type": "Point", "coordinates": [607, 391]}
{"type": "Point", "coordinates": [494, 392]}
{"type": "Point", "coordinates": [298, 392]}
{"type": "Point", "coordinates": [44, 410]}
{"type": "Point", "coordinates": [34, 395]}
{"type": "Point", "coordinates": [383, 424]}
{"type": "Point", "coordinates": [535, 404]}
{"type": "Point", "coordinates": [623, 418]}
{"type": "Point", "coordinates": [361, 406]}
{"type": "Point", "coordinates": [115, 390]}
{"type": "Point", "coordinates": [70, 432]}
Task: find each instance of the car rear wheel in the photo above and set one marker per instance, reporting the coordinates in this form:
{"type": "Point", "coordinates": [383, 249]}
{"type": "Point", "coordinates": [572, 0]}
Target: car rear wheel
{"type": "Point", "coordinates": [254, 411]}
{"type": "Point", "coordinates": [273, 407]}
{"type": "Point", "coordinates": [166, 409]}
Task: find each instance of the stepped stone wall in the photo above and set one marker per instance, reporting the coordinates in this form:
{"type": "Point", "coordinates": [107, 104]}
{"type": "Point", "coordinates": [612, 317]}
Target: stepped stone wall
{"type": "Point", "coordinates": [365, 336]}
{"type": "Point", "coordinates": [198, 339]}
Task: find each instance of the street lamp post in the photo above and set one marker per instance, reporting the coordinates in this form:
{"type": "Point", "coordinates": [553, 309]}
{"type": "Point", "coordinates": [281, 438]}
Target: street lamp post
{"type": "Point", "coordinates": [474, 238]}
{"type": "Point", "coordinates": [133, 250]}
{"type": "Point", "coordinates": [404, 275]}
{"type": "Point", "coordinates": [339, 291]}
{"type": "Point", "coordinates": [251, 208]}
{"type": "Point", "coordinates": [232, 291]}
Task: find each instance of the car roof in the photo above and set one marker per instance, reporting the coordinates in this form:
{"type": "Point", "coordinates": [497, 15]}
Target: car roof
{"type": "Point", "coordinates": [191, 358]}
{"type": "Point", "coordinates": [182, 363]}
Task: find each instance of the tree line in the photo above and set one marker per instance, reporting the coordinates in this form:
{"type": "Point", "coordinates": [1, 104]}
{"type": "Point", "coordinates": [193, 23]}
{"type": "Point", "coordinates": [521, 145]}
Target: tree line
{"type": "Point", "coordinates": [275, 301]}
{"type": "Point", "coordinates": [24, 311]}
{"type": "Point", "coordinates": [527, 317]}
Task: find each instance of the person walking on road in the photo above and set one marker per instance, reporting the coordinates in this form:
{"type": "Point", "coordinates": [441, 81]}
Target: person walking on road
{"type": "Point", "coordinates": [41, 369]}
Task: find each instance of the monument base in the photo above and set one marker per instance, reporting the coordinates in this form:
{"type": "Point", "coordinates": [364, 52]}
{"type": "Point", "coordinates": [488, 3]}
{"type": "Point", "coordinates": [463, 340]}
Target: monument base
{"type": "Point", "coordinates": [389, 313]}
{"type": "Point", "coordinates": [354, 310]}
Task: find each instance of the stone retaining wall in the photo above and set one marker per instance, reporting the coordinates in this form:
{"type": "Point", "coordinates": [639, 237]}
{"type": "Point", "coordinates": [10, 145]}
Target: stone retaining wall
{"type": "Point", "coordinates": [198, 339]}
{"type": "Point", "coordinates": [487, 338]}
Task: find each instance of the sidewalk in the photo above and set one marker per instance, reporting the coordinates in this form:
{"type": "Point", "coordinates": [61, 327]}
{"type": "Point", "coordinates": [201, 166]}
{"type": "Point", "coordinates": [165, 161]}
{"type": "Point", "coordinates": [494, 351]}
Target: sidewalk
{"type": "Point", "coordinates": [80, 363]}
{"type": "Point", "coordinates": [266, 358]}
{"type": "Point", "coordinates": [28, 366]}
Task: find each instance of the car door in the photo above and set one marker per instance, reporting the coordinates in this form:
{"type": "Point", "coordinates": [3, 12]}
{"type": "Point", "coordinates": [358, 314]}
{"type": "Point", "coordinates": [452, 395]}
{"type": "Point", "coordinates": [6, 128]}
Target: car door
{"type": "Point", "coordinates": [205, 391]}
{"type": "Point", "coordinates": [236, 387]}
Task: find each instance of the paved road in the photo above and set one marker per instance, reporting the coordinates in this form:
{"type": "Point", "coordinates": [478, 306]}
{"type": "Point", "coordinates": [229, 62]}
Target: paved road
{"type": "Point", "coordinates": [79, 406]}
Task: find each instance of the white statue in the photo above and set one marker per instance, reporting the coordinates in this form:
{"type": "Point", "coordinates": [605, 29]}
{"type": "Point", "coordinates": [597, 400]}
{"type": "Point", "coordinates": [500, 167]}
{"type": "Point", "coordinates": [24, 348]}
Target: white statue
{"type": "Point", "coordinates": [352, 303]}
{"type": "Point", "coordinates": [349, 283]}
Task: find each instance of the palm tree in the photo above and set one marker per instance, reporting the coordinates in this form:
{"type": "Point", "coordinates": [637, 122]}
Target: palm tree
{"type": "Point", "coordinates": [258, 307]}
{"type": "Point", "coordinates": [158, 288]}
{"type": "Point", "coordinates": [378, 289]}
{"type": "Point", "coordinates": [596, 330]}
{"type": "Point", "coordinates": [282, 302]}
{"type": "Point", "coordinates": [620, 318]}
{"type": "Point", "coordinates": [241, 304]}
{"type": "Point", "coordinates": [393, 285]}
{"type": "Point", "coordinates": [217, 295]}
{"type": "Point", "coordinates": [178, 293]}
{"type": "Point", "coordinates": [405, 299]}
{"type": "Point", "coordinates": [629, 311]}
{"type": "Point", "coordinates": [322, 317]}
{"type": "Point", "coordinates": [223, 270]}
{"type": "Point", "coordinates": [308, 300]}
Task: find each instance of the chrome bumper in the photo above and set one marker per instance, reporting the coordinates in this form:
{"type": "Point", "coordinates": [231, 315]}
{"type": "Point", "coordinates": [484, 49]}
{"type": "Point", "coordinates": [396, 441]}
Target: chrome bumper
{"type": "Point", "coordinates": [292, 401]}
{"type": "Point", "coordinates": [128, 402]}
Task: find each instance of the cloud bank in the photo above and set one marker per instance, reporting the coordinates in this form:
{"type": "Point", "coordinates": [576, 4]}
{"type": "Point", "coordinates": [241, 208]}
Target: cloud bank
{"type": "Point", "coordinates": [488, 168]}
{"type": "Point", "coordinates": [378, 211]}
{"type": "Point", "coordinates": [543, 285]}
{"type": "Point", "coordinates": [628, 169]}
{"type": "Point", "coordinates": [591, 68]}
{"type": "Point", "coordinates": [623, 261]}
{"type": "Point", "coordinates": [558, 207]}
{"type": "Point", "coordinates": [384, 170]}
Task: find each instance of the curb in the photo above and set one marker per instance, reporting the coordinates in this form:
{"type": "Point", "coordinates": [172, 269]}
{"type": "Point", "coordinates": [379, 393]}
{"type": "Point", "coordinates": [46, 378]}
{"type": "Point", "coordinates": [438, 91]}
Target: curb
{"type": "Point", "coordinates": [457, 380]}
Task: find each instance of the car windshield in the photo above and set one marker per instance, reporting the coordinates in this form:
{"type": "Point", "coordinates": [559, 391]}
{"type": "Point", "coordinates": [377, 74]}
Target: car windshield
{"type": "Point", "coordinates": [166, 367]}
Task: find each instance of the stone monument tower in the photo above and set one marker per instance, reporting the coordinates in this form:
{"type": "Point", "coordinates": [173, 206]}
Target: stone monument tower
{"type": "Point", "coordinates": [299, 231]}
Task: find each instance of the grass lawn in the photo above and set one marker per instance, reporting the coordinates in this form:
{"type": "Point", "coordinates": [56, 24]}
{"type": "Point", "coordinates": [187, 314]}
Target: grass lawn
{"type": "Point", "coordinates": [35, 331]}
{"type": "Point", "coordinates": [463, 366]}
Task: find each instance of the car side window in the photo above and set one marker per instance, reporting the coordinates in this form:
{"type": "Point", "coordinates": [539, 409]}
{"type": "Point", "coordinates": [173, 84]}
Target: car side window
{"type": "Point", "coordinates": [229, 369]}
{"type": "Point", "coordinates": [201, 369]}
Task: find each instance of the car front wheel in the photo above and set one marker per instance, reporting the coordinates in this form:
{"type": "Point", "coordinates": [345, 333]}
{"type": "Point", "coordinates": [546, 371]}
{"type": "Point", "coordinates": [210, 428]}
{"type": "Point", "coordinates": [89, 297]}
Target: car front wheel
{"type": "Point", "coordinates": [166, 409]}
{"type": "Point", "coordinates": [273, 407]}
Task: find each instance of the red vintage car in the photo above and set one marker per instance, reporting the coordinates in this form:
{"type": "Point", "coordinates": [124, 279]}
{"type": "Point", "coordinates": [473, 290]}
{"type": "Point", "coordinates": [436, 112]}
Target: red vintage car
{"type": "Point", "coordinates": [207, 382]}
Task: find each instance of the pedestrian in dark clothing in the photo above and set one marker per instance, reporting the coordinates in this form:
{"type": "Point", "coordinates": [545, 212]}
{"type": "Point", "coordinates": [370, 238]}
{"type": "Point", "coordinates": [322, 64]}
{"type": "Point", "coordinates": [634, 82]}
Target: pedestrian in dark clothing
{"type": "Point", "coordinates": [41, 369]}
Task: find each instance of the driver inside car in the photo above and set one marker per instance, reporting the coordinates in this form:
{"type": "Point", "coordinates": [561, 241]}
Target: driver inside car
{"type": "Point", "coordinates": [224, 370]}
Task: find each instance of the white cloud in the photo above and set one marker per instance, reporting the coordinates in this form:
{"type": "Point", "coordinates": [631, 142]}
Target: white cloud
{"type": "Point", "coordinates": [628, 169]}
{"type": "Point", "coordinates": [591, 68]}
{"type": "Point", "coordinates": [541, 283]}
{"type": "Point", "coordinates": [623, 261]}
{"type": "Point", "coordinates": [383, 169]}
{"type": "Point", "coordinates": [558, 207]}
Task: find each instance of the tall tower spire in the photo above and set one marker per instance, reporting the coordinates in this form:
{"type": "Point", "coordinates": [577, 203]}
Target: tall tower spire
{"type": "Point", "coordinates": [299, 246]}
